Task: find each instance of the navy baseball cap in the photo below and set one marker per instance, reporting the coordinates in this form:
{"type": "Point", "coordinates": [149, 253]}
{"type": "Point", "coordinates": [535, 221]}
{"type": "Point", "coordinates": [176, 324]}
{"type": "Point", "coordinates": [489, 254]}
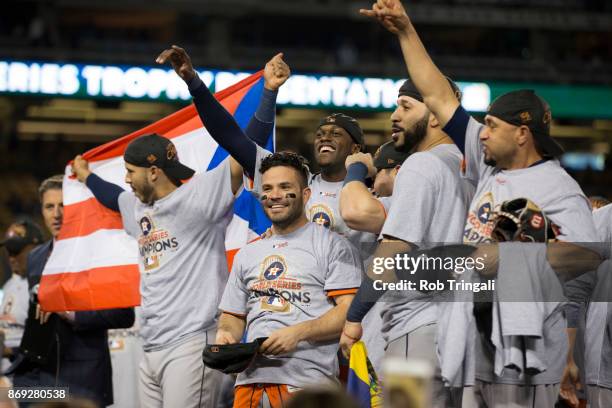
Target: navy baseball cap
{"type": "Point", "coordinates": [524, 107]}
{"type": "Point", "coordinates": [155, 150]}
{"type": "Point", "coordinates": [386, 157]}
{"type": "Point", "coordinates": [347, 123]}
{"type": "Point", "coordinates": [15, 241]}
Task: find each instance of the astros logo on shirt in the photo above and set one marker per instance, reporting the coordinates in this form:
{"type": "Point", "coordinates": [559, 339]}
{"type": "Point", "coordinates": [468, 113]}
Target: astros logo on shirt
{"type": "Point", "coordinates": [273, 267]}
{"type": "Point", "coordinates": [478, 228]}
{"type": "Point", "coordinates": [322, 215]}
{"type": "Point", "coordinates": [146, 225]}
{"type": "Point", "coordinates": [485, 207]}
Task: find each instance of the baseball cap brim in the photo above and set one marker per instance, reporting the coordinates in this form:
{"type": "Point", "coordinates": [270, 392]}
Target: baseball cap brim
{"type": "Point", "coordinates": [549, 145]}
{"type": "Point", "coordinates": [178, 171]}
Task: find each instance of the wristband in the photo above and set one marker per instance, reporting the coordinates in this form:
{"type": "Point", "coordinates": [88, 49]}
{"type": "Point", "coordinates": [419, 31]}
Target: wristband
{"type": "Point", "coordinates": [356, 172]}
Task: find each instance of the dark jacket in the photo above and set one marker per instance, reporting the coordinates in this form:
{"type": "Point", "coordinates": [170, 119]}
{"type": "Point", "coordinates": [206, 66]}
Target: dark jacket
{"type": "Point", "coordinates": [80, 348]}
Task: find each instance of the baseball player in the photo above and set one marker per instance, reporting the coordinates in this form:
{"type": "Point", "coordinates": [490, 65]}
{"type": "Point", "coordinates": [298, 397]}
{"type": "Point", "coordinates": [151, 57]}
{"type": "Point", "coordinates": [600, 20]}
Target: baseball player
{"type": "Point", "coordinates": [428, 207]}
{"type": "Point", "coordinates": [359, 208]}
{"type": "Point", "coordinates": [511, 156]}
{"type": "Point", "coordinates": [175, 321]}
{"type": "Point", "coordinates": [293, 288]}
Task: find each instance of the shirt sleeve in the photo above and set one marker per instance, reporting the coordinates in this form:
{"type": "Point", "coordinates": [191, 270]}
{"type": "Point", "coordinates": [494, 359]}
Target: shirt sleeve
{"type": "Point", "coordinates": [572, 214]}
{"type": "Point", "coordinates": [236, 294]}
{"type": "Point", "coordinates": [344, 267]}
{"type": "Point", "coordinates": [213, 191]}
{"type": "Point", "coordinates": [105, 192]}
{"type": "Point", "coordinates": [221, 125]}
{"type": "Point", "coordinates": [413, 202]}
{"type": "Point", "coordinates": [261, 125]}
{"type": "Point", "coordinates": [127, 201]}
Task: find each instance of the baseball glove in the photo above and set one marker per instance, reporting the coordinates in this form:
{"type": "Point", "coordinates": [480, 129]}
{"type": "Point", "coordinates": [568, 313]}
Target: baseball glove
{"type": "Point", "coordinates": [522, 220]}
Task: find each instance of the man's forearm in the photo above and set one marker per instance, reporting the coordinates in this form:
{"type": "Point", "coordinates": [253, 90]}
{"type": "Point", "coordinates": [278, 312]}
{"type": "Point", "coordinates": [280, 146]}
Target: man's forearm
{"type": "Point", "coordinates": [329, 326]}
{"type": "Point", "coordinates": [261, 124]}
{"type": "Point", "coordinates": [222, 126]}
{"type": "Point", "coordinates": [105, 192]}
{"type": "Point", "coordinates": [234, 325]}
{"type": "Point", "coordinates": [430, 82]}
{"type": "Point", "coordinates": [570, 261]}
{"type": "Point", "coordinates": [571, 338]}
{"type": "Point", "coordinates": [359, 209]}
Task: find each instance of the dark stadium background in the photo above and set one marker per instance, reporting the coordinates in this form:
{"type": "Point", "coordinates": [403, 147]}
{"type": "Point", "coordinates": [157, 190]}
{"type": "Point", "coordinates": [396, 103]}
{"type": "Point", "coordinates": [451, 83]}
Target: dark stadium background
{"type": "Point", "coordinates": [557, 42]}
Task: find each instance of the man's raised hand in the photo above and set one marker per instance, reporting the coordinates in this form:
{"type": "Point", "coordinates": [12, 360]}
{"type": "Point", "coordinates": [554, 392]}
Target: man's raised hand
{"type": "Point", "coordinates": [391, 14]}
{"type": "Point", "coordinates": [80, 168]}
{"type": "Point", "coordinates": [181, 63]}
{"type": "Point", "coordinates": [365, 158]}
{"type": "Point", "coordinates": [276, 72]}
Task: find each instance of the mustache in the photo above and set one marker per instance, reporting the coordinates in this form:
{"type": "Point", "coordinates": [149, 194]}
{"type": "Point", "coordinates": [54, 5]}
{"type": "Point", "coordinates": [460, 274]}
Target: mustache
{"type": "Point", "coordinates": [287, 195]}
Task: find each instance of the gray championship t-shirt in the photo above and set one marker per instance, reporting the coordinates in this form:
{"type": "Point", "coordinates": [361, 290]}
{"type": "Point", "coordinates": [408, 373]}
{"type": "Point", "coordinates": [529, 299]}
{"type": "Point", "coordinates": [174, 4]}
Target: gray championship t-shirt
{"type": "Point", "coordinates": [428, 208]}
{"type": "Point", "coordinates": [285, 280]}
{"type": "Point", "coordinates": [554, 191]}
{"type": "Point", "coordinates": [182, 256]}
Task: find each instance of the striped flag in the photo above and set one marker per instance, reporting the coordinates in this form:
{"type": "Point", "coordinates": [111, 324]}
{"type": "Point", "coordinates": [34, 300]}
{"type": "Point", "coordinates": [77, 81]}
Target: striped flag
{"type": "Point", "coordinates": [362, 381]}
{"type": "Point", "coordinates": [94, 263]}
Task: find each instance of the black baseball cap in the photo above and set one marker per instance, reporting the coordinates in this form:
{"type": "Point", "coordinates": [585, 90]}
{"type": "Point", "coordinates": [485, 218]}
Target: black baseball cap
{"type": "Point", "coordinates": [524, 107]}
{"type": "Point", "coordinates": [231, 358]}
{"type": "Point", "coordinates": [408, 89]}
{"type": "Point", "coordinates": [15, 243]}
{"type": "Point", "coordinates": [155, 150]}
{"type": "Point", "coordinates": [386, 157]}
{"type": "Point", "coordinates": [347, 123]}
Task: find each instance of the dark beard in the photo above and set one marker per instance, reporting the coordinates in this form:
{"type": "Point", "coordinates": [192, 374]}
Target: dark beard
{"type": "Point", "coordinates": [414, 136]}
{"type": "Point", "coordinates": [148, 194]}
{"type": "Point", "coordinates": [490, 162]}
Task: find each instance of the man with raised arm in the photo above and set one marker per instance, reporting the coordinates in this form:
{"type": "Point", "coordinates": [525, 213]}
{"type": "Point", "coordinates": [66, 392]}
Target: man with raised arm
{"type": "Point", "coordinates": [183, 278]}
{"type": "Point", "coordinates": [511, 156]}
{"type": "Point", "coordinates": [428, 209]}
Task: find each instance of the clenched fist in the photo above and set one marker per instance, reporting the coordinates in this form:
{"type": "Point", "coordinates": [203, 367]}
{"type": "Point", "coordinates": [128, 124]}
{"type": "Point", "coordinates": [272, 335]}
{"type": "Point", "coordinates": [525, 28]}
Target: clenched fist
{"type": "Point", "coordinates": [276, 72]}
{"type": "Point", "coordinates": [365, 158]}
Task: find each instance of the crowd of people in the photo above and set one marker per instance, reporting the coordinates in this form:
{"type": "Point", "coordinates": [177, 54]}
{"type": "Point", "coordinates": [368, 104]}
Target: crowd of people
{"type": "Point", "coordinates": [304, 294]}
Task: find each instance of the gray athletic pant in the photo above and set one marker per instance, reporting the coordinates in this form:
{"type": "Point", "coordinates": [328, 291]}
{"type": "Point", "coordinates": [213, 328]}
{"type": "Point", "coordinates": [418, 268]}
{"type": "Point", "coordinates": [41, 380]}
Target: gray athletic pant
{"type": "Point", "coordinates": [175, 376]}
{"type": "Point", "coordinates": [421, 343]}
{"type": "Point", "coordinates": [488, 395]}
{"type": "Point", "coordinates": [599, 397]}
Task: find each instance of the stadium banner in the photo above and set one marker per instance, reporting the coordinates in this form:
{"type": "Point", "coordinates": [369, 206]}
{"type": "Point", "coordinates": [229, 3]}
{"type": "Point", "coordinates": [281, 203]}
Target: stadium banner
{"type": "Point", "coordinates": [302, 90]}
